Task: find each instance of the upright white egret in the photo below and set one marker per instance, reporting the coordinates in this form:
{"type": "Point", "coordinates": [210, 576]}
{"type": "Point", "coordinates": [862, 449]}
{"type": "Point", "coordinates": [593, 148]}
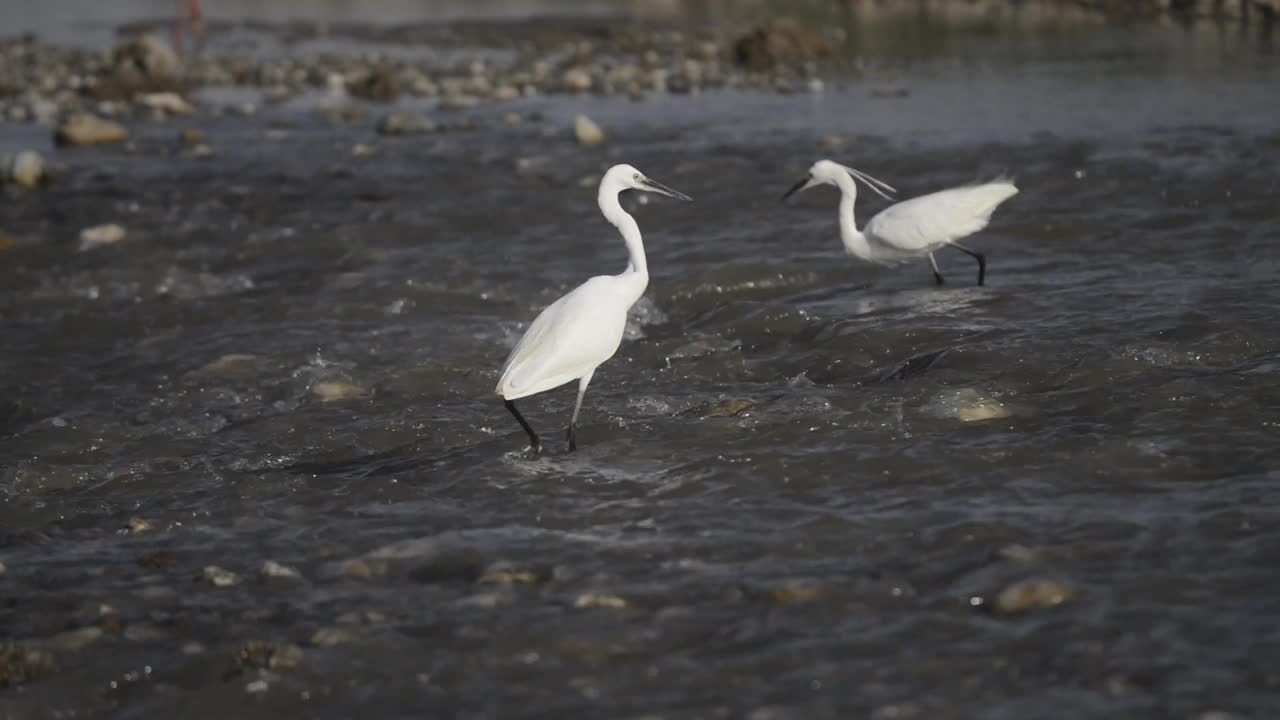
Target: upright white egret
{"type": "Point", "coordinates": [575, 334]}
{"type": "Point", "coordinates": [912, 227]}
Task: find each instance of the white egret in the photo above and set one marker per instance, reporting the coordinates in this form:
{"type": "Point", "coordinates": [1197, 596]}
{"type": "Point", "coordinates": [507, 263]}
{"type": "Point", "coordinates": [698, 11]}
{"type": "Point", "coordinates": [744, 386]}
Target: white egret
{"type": "Point", "coordinates": [575, 334]}
{"type": "Point", "coordinates": [914, 227]}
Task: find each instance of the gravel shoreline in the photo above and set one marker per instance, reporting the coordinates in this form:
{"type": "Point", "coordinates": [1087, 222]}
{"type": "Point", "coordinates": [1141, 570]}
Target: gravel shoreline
{"type": "Point", "coordinates": [42, 83]}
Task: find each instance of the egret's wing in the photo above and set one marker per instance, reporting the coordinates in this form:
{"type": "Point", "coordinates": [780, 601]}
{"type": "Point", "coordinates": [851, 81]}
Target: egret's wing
{"type": "Point", "coordinates": [571, 336]}
{"type": "Point", "coordinates": [930, 220]}
{"type": "Point", "coordinates": [536, 333]}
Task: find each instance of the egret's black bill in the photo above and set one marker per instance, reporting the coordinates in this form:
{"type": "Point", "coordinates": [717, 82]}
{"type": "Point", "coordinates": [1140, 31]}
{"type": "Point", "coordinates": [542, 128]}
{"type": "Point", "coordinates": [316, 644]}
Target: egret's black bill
{"type": "Point", "coordinates": [658, 187]}
{"type": "Point", "coordinates": [795, 189]}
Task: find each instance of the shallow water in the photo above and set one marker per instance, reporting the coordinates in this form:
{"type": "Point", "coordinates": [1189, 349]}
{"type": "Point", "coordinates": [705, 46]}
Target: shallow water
{"type": "Point", "coordinates": [787, 503]}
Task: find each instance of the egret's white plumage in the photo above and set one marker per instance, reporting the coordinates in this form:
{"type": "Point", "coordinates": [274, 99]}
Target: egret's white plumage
{"type": "Point", "coordinates": [914, 227]}
{"type": "Point", "coordinates": [575, 334]}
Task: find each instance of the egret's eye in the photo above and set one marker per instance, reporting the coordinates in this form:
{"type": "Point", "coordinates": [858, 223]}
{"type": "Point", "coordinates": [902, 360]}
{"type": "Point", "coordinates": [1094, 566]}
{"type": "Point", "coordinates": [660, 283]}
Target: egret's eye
{"type": "Point", "coordinates": [636, 177]}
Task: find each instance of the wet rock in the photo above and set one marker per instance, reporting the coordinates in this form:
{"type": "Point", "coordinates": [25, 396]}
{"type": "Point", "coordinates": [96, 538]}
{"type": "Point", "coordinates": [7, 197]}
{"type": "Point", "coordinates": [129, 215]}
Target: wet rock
{"type": "Point", "coordinates": [728, 408]}
{"type": "Point", "coordinates": [458, 101]}
{"type": "Point", "coordinates": [143, 64]}
{"type": "Point", "coordinates": [86, 129]}
{"type": "Point", "coordinates": [140, 525]}
{"type": "Point", "coordinates": [334, 391]}
{"type": "Point", "coordinates": [587, 131]}
{"type": "Point", "coordinates": [200, 151]}
{"type": "Point", "coordinates": [262, 655]}
{"type": "Point", "coordinates": [273, 569]}
{"type": "Point", "coordinates": [148, 55]}
{"type": "Point", "coordinates": [1018, 553]}
{"type": "Point", "coordinates": [1034, 594]}
{"type": "Point", "coordinates": [99, 235]}
{"type": "Point", "coordinates": [257, 686]}
{"type": "Point", "coordinates": [967, 405]}
{"type": "Point", "coordinates": [780, 41]}
{"type": "Point", "coordinates": [43, 110]}
{"type": "Point", "coordinates": [508, 577]}
{"type": "Point", "coordinates": [229, 364]}
{"type": "Point", "coordinates": [504, 93]}
{"type": "Point", "coordinates": [75, 640]}
{"type": "Point", "coordinates": [27, 169]}
{"type": "Point", "coordinates": [19, 665]}
{"type": "Point", "coordinates": [192, 137]}
{"type": "Point", "coordinates": [594, 600]}
{"type": "Point", "coordinates": [340, 112]}
{"type": "Point", "coordinates": [797, 594]}
{"type": "Point", "coordinates": [405, 123]}
{"type": "Point", "coordinates": [219, 577]}
{"type": "Point", "coordinates": [358, 568]}
{"type": "Point", "coordinates": [328, 637]}
{"type": "Point", "coordinates": [379, 84]}
{"type": "Point", "coordinates": [286, 657]}
{"type": "Point", "coordinates": [577, 80]}
{"type": "Point", "coordinates": [165, 103]}
{"type": "Point", "coordinates": [986, 409]}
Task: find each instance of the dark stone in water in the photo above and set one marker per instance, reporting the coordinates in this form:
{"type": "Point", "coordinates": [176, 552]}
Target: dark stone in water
{"type": "Point", "coordinates": [450, 567]}
{"type": "Point", "coordinates": [916, 365]}
{"type": "Point", "coordinates": [380, 84]}
{"type": "Point", "coordinates": [157, 560]}
{"type": "Point", "coordinates": [19, 665]}
{"type": "Point", "coordinates": [142, 65]}
{"type": "Point", "coordinates": [781, 41]}
{"type": "Point", "coordinates": [259, 654]}
{"type": "Point", "coordinates": [406, 123]}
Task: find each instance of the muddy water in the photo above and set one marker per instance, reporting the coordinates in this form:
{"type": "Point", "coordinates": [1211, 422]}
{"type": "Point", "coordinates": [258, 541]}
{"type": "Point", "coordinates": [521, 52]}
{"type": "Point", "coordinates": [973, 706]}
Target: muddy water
{"type": "Point", "coordinates": [806, 487]}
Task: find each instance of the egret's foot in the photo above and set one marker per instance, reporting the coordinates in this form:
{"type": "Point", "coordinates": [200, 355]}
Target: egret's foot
{"type": "Point", "coordinates": [937, 279]}
{"type": "Point", "coordinates": [572, 436]}
{"type": "Point", "coordinates": [533, 451]}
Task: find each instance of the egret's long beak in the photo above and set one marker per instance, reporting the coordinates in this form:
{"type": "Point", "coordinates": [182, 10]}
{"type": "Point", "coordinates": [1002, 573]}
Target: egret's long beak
{"type": "Point", "coordinates": [655, 186]}
{"type": "Point", "coordinates": [802, 185]}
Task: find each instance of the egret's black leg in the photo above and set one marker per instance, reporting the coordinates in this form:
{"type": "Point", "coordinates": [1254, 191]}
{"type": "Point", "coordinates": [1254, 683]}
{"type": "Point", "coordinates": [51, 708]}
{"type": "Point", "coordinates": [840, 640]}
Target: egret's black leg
{"type": "Point", "coordinates": [572, 433]}
{"type": "Point", "coordinates": [982, 260]}
{"type": "Point", "coordinates": [937, 276]}
{"type": "Point", "coordinates": [534, 443]}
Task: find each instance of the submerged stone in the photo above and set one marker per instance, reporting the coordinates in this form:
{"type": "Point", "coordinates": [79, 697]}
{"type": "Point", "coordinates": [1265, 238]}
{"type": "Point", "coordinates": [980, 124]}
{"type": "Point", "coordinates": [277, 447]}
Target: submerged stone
{"type": "Point", "coordinates": [1034, 594]}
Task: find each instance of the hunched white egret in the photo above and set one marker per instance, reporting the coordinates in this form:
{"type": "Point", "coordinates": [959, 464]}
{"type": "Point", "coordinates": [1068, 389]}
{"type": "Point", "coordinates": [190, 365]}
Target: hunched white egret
{"type": "Point", "coordinates": [575, 334]}
{"type": "Point", "coordinates": [914, 227]}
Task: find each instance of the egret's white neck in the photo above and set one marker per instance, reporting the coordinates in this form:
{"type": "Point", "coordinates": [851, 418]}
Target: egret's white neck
{"type": "Point", "coordinates": [854, 241]}
{"type": "Point", "coordinates": [626, 225]}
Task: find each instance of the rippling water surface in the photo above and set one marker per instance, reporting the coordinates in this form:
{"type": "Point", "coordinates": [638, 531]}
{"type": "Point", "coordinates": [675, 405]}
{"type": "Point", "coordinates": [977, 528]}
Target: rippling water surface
{"type": "Point", "coordinates": [804, 483]}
